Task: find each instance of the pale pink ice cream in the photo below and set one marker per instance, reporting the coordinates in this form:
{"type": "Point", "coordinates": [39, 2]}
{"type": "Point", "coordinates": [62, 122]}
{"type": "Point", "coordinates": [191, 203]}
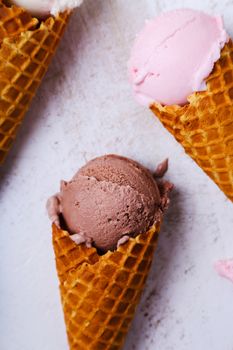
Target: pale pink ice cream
{"type": "Point", "coordinates": [173, 55]}
{"type": "Point", "coordinates": [46, 7]}
{"type": "Point", "coordinates": [225, 268]}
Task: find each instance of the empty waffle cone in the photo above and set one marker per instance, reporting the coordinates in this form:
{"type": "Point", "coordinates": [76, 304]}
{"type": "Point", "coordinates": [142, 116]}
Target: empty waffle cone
{"type": "Point", "coordinates": [27, 47]}
{"type": "Point", "coordinates": [204, 126]}
{"type": "Point", "coordinates": [100, 293]}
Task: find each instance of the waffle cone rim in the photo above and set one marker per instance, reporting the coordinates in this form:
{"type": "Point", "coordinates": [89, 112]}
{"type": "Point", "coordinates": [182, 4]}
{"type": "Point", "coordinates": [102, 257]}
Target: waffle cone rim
{"type": "Point", "coordinates": [121, 249]}
{"type": "Point", "coordinates": [40, 24]}
{"type": "Point", "coordinates": [193, 97]}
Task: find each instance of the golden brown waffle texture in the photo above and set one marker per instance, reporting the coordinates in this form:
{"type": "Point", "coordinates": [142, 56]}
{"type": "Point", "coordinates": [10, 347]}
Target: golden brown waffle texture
{"type": "Point", "coordinates": [26, 49]}
{"type": "Point", "coordinates": [100, 293]}
{"type": "Point", "coordinates": [204, 126]}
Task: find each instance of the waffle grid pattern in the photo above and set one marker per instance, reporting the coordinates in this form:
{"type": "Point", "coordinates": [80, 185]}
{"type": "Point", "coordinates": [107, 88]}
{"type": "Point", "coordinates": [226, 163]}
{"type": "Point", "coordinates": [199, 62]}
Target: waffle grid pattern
{"type": "Point", "coordinates": [15, 20]}
{"type": "Point", "coordinates": [24, 59]}
{"type": "Point", "coordinates": [205, 126]}
{"type": "Point", "coordinates": [100, 296]}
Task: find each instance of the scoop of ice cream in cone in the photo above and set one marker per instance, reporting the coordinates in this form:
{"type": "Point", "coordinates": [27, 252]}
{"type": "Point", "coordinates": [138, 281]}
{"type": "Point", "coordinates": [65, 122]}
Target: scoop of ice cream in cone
{"type": "Point", "coordinates": [173, 55]}
{"type": "Point", "coordinates": [115, 205]}
{"type": "Point", "coordinates": [181, 68]}
{"type": "Point", "coordinates": [109, 200]}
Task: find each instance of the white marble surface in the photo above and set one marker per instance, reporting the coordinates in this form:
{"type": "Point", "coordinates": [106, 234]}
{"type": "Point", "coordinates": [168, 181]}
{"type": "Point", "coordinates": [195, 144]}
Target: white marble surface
{"type": "Point", "coordinates": [84, 108]}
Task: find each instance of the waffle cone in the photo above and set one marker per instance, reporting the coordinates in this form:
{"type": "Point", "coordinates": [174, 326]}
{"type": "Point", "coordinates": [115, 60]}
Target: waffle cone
{"type": "Point", "coordinates": [204, 126]}
{"type": "Point", "coordinates": [26, 49]}
{"type": "Point", "coordinates": [100, 293]}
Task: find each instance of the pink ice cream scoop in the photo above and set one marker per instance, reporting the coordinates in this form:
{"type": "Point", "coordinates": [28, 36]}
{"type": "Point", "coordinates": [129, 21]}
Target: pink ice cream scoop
{"type": "Point", "coordinates": [225, 268]}
{"type": "Point", "coordinates": [173, 55]}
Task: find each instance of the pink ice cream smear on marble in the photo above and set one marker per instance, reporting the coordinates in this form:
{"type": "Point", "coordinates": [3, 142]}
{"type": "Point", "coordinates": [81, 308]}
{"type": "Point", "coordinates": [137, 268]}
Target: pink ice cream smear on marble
{"type": "Point", "coordinates": [174, 54]}
{"type": "Point", "coordinates": [225, 268]}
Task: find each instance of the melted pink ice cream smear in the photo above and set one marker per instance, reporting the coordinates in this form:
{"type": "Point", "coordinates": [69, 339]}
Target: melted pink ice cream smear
{"type": "Point", "coordinates": [173, 55]}
{"type": "Point", "coordinates": [225, 268]}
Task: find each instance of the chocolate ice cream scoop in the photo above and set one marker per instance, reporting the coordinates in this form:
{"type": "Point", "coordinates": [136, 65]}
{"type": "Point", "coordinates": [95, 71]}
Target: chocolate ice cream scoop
{"type": "Point", "coordinates": [109, 200]}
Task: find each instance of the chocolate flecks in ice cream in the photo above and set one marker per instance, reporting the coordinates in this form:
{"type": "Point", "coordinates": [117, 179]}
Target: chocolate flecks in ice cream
{"type": "Point", "coordinates": [109, 200]}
